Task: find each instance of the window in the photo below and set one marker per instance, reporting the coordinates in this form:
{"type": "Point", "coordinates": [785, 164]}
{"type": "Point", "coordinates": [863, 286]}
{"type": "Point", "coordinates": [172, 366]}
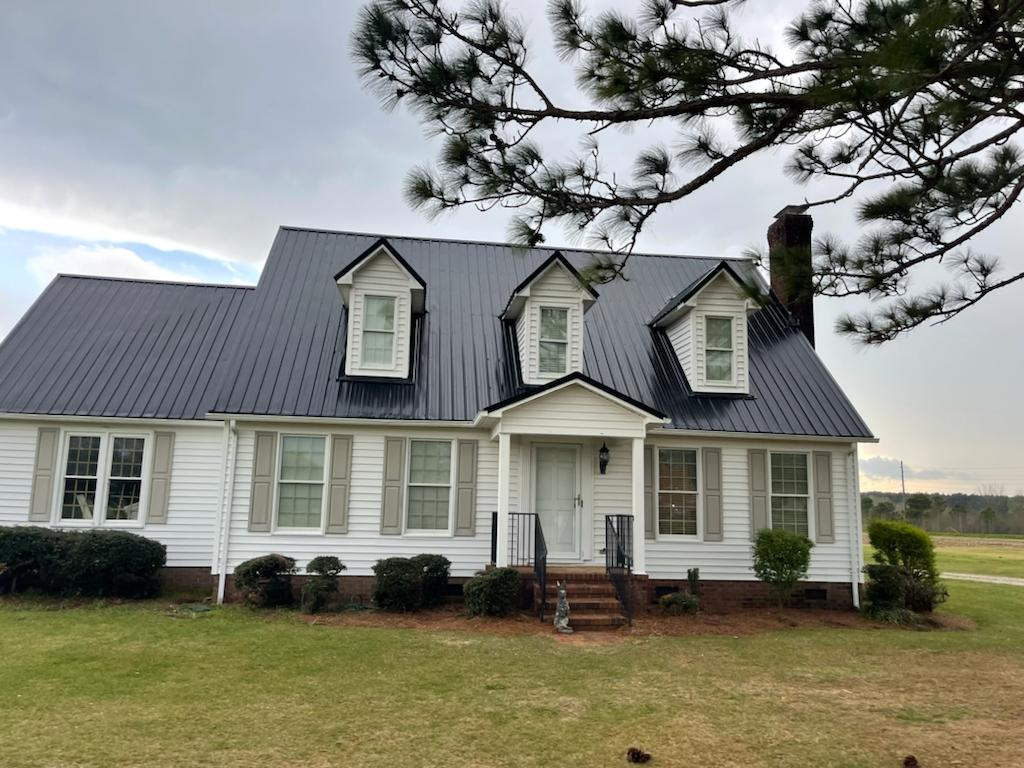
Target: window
{"type": "Point", "coordinates": [677, 492]}
{"type": "Point", "coordinates": [718, 349]}
{"type": "Point", "coordinates": [554, 339]}
{"type": "Point", "coordinates": [124, 485]}
{"type": "Point", "coordinates": [300, 490]}
{"type": "Point", "coordinates": [789, 492]}
{"type": "Point", "coordinates": [81, 477]}
{"type": "Point", "coordinates": [430, 478]}
{"type": "Point", "coordinates": [379, 331]}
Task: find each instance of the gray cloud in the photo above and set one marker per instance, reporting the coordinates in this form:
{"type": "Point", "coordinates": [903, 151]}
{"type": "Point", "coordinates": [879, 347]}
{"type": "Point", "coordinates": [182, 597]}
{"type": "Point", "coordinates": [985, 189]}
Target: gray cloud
{"type": "Point", "coordinates": [885, 468]}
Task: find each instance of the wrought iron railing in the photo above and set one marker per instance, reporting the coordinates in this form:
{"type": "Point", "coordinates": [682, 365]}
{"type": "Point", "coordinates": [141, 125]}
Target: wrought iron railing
{"type": "Point", "coordinates": [618, 558]}
{"type": "Point", "coordinates": [526, 547]}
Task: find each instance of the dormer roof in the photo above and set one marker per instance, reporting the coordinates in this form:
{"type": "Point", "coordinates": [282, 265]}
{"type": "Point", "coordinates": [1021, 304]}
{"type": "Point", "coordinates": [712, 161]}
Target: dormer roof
{"type": "Point", "coordinates": [521, 292]}
{"type": "Point", "coordinates": [416, 284]}
{"type": "Point", "coordinates": [685, 300]}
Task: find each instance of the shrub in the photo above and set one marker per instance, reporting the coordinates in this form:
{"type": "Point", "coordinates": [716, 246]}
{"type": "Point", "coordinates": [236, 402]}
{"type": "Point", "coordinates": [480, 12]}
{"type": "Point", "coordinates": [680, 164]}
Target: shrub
{"type": "Point", "coordinates": [322, 584]}
{"type": "Point", "coordinates": [399, 584]}
{"type": "Point", "coordinates": [265, 582]}
{"type": "Point", "coordinates": [434, 570]}
{"type": "Point", "coordinates": [904, 576]}
{"type": "Point", "coordinates": [679, 603]}
{"type": "Point", "coordinates": [903, 545]}
{"type": "Point", "coordinates": [492, 593]}
{"type": "Point", "coordinates": [93, 563]}
{"type": "Point", "coordinates": [781, 559]}
{"type": "Point", "coordinates": [693, 577]}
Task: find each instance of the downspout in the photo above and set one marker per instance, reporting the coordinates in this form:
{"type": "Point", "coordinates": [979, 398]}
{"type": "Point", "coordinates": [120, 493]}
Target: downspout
{"type": "Point", "coordinates": [231, 445]}
{"type": "Point", "coordinates": [856, 545]}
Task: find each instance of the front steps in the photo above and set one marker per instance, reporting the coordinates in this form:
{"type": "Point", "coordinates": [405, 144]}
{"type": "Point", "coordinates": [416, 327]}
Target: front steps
{"type": "Point", "coordinates": [593, 604]}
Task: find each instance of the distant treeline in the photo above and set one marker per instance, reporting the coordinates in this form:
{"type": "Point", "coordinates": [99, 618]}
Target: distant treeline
{"type": "Point", "coordinates": [953, 512]}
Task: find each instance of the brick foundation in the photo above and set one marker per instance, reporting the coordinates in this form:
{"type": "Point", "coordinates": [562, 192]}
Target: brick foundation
{"type": "Point", "coordinates": [187, 580]}
{"type": "Point", "coordinates": [728, 596]}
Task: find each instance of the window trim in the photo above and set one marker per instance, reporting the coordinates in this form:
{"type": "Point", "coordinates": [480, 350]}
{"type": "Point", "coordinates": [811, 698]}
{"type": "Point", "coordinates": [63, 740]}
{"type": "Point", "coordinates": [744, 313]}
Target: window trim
{"type": "Point", "coordinates": [293, 530]}
{"type": "Point", "coordinates": [567, 341]}
{"type": "Point", "coordinates": [731, 381]}
{"type": "Point", "coordinates": [390, 366]}
{"type": "Point", "coordinates": [429, 532]}
{"type": "Point", "coordinates": [103, 469]}
{"type": "Point", "coordinates": [811, 529]}
{"type": "Point", "coordinates": [699, 535]}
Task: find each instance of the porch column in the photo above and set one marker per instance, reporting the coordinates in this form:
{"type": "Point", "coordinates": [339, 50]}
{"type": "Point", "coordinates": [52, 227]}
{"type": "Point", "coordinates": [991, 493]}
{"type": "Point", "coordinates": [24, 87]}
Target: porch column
{"type": "Point", "coordinates": [504, 466]}
{"type": "Point", "coordinates": [639, 530]}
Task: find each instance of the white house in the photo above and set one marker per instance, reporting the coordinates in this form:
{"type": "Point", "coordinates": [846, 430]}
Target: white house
{"type": "Point", "coordinates": [373, 397]}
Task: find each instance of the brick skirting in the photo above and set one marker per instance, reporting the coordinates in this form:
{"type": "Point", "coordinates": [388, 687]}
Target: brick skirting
{"type": "Point", "coordinates": [728, 596]}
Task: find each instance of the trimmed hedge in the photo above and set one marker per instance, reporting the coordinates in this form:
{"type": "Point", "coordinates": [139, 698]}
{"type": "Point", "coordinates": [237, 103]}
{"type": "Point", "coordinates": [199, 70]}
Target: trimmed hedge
{"type": "Point", "coordinates": [904, 578]}
{"type": "Point", "coordinates": [781, 560]}
{"type": "Point", "coordinates": [399, 584]}
{"type": "Point", "coordinates": [903, 545]}
{"type": "Point", "coordinates": [266, 581]}
{"type": "Point", "coordinates": [434, 570]}
{"type": "Point", "coordinates": [96, 563]}
{"type": "Point", "coordinates": [322, 584]}
{"type": "Point", "coordinates": [492, 593]}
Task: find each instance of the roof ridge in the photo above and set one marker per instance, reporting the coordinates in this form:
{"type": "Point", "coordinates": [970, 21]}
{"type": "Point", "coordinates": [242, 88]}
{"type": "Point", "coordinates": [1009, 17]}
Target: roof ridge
{"type": "Point", "coordinates": [424, 238]}
{"type": "Point", "coordinates": [153, 281]}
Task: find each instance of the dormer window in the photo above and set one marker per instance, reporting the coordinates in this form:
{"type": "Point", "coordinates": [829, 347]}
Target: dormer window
{"type": "Point", "coordinates": [379, 331]}
{"type": "Point", "coordinates": [554, 340]}
{"type": "Point", "coordinates": [718, 350]}
{"type": "Point", "coordinates": [383, 295]}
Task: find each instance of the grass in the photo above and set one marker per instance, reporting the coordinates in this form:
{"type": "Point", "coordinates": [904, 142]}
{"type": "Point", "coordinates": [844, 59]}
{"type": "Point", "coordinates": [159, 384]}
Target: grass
{"type": "Point", "coordinates": [974, 556]}
{"type": "Point", "coordinates": [129, 686]}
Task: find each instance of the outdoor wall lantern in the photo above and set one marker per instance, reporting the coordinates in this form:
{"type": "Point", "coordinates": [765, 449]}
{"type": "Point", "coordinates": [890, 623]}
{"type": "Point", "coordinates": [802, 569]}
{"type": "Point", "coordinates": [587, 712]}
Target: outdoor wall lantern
{"type": "Point", "coordinates": [602, 458]}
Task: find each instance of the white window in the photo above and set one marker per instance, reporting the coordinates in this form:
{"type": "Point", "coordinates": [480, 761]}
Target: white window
{"type": "Point", "coordinates": [429, 488]}
{"type": "Point", "coordinates": [300, 487]}
{"type": "Point", "coordinates": [718, 349]}
{"type": "Point", "coordinates": [104, 478]}
{"type": "Point", "coordinates": [677, 492]}
{"type": "Point", "coordinates": [790, 492]}
{"type": "Point", "coordinates": [379, 331]}
{"type": "Point", "coordinates": [554, 340]}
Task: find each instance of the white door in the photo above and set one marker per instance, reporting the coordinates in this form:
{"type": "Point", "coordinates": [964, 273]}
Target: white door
{"type": "Point", "coordinates": [556, 494]}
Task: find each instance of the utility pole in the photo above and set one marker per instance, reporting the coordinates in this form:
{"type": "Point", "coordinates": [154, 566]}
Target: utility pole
{"type": "Point", "coordinates": [903, 495]}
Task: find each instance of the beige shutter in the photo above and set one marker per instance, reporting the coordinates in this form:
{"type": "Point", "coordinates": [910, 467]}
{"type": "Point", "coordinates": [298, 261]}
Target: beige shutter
{"type": "Point", "coordinates": [650, 512]}
{"type": "Point", "coordinates": [465, 488]}
{"type": "Point", "coordinates": [712, 458]}
{"type": "Point", "coordinates": [394, 482]}
{"type": "Point", "coordinates": [759, 518]}
{"type": "Point", "coordinates": [824, 514]}
{"type": "Point", "coordinates": [264, 467]}
{"type": "Point", "coordinates": [339, 484]}
{"type": "Point", "coordinates": [160, 480]}
{"type": "Point", "coordinates": [44, 475]}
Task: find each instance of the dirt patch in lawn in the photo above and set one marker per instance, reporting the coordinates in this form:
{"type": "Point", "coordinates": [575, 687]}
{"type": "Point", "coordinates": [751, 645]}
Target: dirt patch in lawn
{"type": "Point", "coordinates": [957, 542]}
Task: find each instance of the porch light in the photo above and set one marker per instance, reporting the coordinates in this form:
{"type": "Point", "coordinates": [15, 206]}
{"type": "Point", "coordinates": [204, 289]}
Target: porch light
{"type": "Point", "coordinates": [602, 458]}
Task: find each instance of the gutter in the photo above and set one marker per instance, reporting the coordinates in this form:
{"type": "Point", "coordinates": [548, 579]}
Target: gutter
{"type": "Point", "coordinates": [856, 546]}
{"type": "Point", "coordinates": [226, 500]}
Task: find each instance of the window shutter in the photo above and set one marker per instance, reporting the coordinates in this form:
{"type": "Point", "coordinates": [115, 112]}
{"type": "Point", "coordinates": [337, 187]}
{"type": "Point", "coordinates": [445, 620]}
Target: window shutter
{"type": "Point", "coordinates": [759, 519]}
{"type": "Point", "coordinates": [43, 475]}
{"type": "Point", "coordinates": [465, 488]}
{"type": "Point", "coordinates": [264, 467]}
{"type": "Point", "coordinates": [712, 458]}
{"type": "Point", "coordinates": [339, 483]}
{"type": "Point", "coordinates": [160, 481]}
{"type": "Point", "coordinates": [391, 493]}
{"type": "Point", "coordinates": [824, 514]}
{"type": "Point", "coordinates": [650, 512]}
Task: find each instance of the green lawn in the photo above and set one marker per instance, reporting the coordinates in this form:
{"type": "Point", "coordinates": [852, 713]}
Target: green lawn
{"type": "Point", "coordinates": [973, 555]}
{"type": "Point", "coordinates": [130, 686]}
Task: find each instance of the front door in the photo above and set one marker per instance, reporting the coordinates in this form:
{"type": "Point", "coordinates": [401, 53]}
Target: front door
{"type": "Point", "coordinates": [556, 498]}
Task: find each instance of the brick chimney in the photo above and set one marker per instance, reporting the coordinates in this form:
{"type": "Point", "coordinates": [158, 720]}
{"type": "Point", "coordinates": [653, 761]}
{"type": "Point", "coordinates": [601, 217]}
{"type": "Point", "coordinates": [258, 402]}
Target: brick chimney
{"type": "Point", "coordinates": [789, 260]}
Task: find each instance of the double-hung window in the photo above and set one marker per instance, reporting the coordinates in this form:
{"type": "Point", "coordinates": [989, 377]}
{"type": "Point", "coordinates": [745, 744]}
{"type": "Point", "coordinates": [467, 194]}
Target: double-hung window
{"type": "Point", "coordinates": [379, 331]}
{"type": "Point", "coordinates": [554, 340]}
{"type": "Point", "coordinates": [429, 489]}
{"type": "Point", "coordinates": [718, 349]}
{"type": "Point", "coordinates": [300, 487]}
{"type": "Point", "coordinates": [790, 492]}
{"type": "Point", "coordinates": [103, 478]}
{"type": "Point", "coordinates": [677, 491]}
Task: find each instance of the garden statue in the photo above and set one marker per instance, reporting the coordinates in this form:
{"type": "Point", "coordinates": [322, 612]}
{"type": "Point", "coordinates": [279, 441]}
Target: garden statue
{"type": "Point", "coordinates": [562, 610]}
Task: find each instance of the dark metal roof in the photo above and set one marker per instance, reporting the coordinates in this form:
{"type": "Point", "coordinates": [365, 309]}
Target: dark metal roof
{"type": "Point", "coordinates": [693, 288]}
{"type": "Point", "coordinates": [119, 348]}
{"type": "Point", "coordinates": [289, 352]}
{"type": "Point", "coordinates": [527, 393]}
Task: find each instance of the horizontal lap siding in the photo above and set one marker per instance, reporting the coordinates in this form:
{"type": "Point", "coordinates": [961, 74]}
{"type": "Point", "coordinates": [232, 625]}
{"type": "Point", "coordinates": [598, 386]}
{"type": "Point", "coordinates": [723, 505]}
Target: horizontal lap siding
{"type": "Point", "coordinates": [381, 277]}
{"type": "Point", "coordinates": [554, 289]}
{"type": "Point", "coordinates": [720, 299]}
{"type": "Point", "coordinates": [612, 491]}
{"type": "Point", "coordinates": [573, 410]}
{"type": "Point", "coordinates": [680, 335]}
{"type": "Point", "coordinates": [364, 545]}
{"type": "Point", "coordinates": [196, 478]}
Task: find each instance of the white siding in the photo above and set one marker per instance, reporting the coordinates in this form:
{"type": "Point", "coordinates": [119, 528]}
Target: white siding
{"type": "Point", "coordinates": [380, 276]}
{"type": "Point", "coordinates": [573, 410]}
{"type": "Point", "coordinates": [555, 288]}
{"type": "Point", "coordinates": [680, 335]}
{"type": "Point", "coordinates": [720, 298]}
{"type": "Point", "coordinates": [196, 476]}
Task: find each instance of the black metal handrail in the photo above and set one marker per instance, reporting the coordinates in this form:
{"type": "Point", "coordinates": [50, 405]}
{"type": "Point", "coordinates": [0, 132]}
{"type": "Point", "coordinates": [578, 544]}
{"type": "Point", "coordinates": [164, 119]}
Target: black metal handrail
{"type": "Point", "coordinates": [618, 558]}
{"type": "Point", "coordinates": [526, 547]}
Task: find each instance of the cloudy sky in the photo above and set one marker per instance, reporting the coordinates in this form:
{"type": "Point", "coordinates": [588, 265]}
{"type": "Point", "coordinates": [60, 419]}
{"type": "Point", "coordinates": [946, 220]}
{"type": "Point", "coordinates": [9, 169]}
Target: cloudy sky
{"type": "Point", "coordinates": [171, 140]}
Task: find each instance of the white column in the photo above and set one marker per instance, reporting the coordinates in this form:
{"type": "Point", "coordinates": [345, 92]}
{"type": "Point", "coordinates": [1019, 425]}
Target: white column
{"type": "Point", "coordinates": [504, 466]}
{"type": "Point", "coordinates": [639, 540]}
